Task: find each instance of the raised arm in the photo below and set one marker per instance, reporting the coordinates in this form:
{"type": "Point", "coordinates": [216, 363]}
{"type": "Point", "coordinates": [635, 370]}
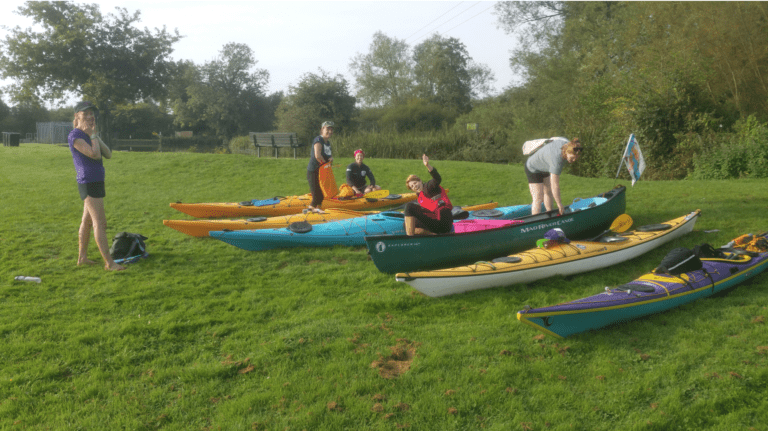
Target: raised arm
{"type": "Point", "coordinates": [425, 159]}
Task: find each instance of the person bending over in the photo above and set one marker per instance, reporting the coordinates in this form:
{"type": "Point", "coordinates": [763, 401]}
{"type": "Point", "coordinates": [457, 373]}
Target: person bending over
{"type": "Point", "coordinates": [543, 170]}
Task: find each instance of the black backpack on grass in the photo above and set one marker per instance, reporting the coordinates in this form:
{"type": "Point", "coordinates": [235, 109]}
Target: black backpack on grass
{"type": "Point", "coordinates": [128, 245]}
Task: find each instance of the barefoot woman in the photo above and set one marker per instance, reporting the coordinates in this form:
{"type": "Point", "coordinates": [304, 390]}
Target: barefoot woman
{"type": "Point", "coordinates": [87, 152]}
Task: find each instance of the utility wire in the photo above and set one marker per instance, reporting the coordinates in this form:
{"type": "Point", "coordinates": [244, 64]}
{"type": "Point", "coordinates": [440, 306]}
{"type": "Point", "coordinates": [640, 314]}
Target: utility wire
{"type": "Point", "coordinates": [430, 23]}
{"type": "Point", "coordinates": [451, 19]}
{"type": "Point", "coordinates": [441, 17]}
{"type": "Point", "coordinates": [479, 13]}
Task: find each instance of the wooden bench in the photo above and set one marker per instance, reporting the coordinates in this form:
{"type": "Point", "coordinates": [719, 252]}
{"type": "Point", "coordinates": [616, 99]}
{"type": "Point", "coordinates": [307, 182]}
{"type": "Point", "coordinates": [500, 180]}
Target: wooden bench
{"type": "Point", "coordinates": [276, 141]}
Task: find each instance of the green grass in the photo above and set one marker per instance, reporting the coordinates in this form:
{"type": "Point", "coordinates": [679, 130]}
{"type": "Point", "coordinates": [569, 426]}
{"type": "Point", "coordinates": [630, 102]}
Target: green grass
{"type": "Point", "coordinates": [205, 336]}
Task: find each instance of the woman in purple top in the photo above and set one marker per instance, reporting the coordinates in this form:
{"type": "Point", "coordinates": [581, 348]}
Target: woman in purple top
{"type": "Point", "coordinates": [87, 153]}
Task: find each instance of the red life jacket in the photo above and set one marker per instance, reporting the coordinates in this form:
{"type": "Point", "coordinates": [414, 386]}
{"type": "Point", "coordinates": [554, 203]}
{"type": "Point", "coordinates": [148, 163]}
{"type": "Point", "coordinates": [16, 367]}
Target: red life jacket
{"type": "Point", "coordinates": [434, 205]}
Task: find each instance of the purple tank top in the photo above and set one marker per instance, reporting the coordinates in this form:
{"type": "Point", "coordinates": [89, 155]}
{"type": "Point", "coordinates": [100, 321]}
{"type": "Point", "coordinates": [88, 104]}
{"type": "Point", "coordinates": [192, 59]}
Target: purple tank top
{"type": "Point", "coordinates": [88, 169]}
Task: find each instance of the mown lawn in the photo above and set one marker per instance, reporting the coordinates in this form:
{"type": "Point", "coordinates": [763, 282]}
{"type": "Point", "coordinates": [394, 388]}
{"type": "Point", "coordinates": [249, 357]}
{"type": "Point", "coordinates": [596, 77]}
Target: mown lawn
{"type": "Point", "coordinates": [205, 336]}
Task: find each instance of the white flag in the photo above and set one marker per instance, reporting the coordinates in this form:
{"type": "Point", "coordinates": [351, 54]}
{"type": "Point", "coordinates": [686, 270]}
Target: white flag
{"type": "Point", "coordinates": [634, 160]}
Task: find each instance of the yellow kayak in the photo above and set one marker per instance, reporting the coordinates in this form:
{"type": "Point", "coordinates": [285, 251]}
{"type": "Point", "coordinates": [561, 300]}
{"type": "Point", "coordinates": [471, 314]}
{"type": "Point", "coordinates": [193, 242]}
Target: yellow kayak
{"type": "Point", "coordinates": [200, 228]}
{"type": "Point", "coordinates": [287, 205]}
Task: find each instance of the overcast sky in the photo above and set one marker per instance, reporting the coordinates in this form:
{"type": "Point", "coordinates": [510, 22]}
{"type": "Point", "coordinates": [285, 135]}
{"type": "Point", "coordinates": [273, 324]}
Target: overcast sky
{"type": "Point", "coordinates": [291, 38]}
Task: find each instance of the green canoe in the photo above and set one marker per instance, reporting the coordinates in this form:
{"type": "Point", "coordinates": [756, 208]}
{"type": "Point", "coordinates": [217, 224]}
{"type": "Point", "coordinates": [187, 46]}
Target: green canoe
{"type": "Point", "coordinates": [401, 253]}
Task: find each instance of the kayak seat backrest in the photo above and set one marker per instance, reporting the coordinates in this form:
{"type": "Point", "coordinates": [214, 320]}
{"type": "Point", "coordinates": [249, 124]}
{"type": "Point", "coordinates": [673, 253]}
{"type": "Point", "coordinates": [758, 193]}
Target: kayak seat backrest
{"type": "Point", "coordinates": [678, 261]}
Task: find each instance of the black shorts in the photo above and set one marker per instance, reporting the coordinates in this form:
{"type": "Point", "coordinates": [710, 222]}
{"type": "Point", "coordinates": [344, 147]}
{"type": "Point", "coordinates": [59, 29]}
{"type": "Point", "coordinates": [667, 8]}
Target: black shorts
{"type": "Point", "coordinates": [425, 220]}
{"type": "Point", "coordinates": [535, 178]}
{"type": "Point", "coordinates": [94, 190]}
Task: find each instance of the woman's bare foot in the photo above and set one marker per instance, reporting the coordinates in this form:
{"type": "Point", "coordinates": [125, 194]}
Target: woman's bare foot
{"type": "Point", "coordinates": [85, 262]}
{"type": "Point", "coordinates": [114, 267]}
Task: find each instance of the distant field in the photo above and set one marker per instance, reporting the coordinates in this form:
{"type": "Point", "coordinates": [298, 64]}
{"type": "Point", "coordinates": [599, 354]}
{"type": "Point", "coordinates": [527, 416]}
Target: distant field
{"type": "Point", "coordinates": [205, 336]}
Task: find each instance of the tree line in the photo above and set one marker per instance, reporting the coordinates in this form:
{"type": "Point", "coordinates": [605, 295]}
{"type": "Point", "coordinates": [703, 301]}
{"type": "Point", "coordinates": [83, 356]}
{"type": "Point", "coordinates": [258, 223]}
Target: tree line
{"type": "Point", "coordinates": [687, 78]}
{"type": "Point", "coordinates": [128, 73]}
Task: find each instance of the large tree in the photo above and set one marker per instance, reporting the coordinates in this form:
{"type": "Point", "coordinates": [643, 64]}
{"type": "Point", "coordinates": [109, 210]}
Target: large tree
{"type": "Point", "coordinates": [317, 98]}
{"type": "Point", "coordinates": [225, 94]}
{"type": "Point", "coordinates": [75, 50]}
{"type": "Point", "coordinates": [445, 74]}
{"type": "Point", "coordinates": [140, 121]}
{"type": "Point", "coordinates": [383, 76]}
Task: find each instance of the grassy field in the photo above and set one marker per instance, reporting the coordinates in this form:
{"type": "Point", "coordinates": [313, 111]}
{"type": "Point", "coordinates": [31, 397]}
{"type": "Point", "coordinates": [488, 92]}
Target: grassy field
{"type": "Point", "coordinates": [205, 336]}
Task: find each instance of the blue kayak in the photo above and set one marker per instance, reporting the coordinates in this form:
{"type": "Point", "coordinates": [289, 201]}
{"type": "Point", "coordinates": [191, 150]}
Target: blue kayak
{"type": "Point", "coordinates": [352, 232]}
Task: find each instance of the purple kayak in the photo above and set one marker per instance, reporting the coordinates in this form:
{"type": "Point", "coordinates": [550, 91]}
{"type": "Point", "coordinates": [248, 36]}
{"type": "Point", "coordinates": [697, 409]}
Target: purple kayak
{"type": "Point", "coordinates": [654, 292]}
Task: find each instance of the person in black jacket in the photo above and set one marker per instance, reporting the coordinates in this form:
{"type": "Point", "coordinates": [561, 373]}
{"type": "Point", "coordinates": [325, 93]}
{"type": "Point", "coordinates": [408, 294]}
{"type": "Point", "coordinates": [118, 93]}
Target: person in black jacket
{"type": "Point", "coordinates": [432, 214]}
{"type": "Point", "coordinates": [320, 154]}
{"type": "Point", "coordinates": [357, 172]}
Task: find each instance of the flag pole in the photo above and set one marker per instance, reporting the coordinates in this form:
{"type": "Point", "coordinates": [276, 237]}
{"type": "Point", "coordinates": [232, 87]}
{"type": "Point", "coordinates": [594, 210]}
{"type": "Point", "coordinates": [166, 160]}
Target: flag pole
{"type": "Point", "coordinates": [623, 155]}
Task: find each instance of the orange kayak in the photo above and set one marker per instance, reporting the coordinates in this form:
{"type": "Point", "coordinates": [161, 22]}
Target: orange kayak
{"type": "Point", "coordinates": [200, 228]}
{"type": "Point", "coordinates": [287, 205]}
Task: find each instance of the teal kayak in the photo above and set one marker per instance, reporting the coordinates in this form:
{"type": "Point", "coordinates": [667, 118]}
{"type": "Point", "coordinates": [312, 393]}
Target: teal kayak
{"type": "Point", "coordinates": [348, 232]}
{"type": "Point", "coordinates": [585, 218]}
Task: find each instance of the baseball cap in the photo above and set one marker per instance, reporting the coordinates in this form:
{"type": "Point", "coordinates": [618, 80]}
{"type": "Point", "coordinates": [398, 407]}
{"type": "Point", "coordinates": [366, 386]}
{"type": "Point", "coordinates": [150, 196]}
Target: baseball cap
{"type": "Point", "coordinates": [84, 106]}
{"type": "Point", "coordinates": [327, 124]}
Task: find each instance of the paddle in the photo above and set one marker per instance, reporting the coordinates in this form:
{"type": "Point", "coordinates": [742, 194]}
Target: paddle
{"type": "Point", "coordinates": [377, 194]}
{"type": "Point", "coordinates": [621, 223]}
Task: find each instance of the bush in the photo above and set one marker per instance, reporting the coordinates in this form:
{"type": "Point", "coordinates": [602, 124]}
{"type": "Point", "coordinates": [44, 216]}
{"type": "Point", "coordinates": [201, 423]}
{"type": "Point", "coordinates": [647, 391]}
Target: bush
{"type": "Point", "coordinates": [416, 115]}
{"type": "Point", "coordinates": [743, 153]}
{"type": "Point", "coordinates": [196, 144]}
{"type": "Point", "coordinates": [241, 144]}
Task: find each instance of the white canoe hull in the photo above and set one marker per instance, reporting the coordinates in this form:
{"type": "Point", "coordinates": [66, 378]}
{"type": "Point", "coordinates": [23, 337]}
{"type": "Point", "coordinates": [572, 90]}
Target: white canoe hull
{"type": "Point", "coordinates": [537, 264]}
